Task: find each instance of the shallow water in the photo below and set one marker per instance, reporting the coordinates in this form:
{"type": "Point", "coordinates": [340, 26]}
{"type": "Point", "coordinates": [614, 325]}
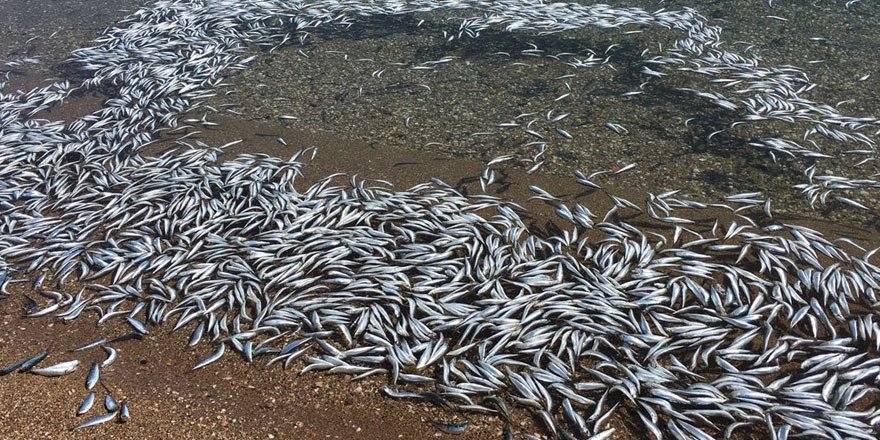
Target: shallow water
{"type": "Point", "coordinates": [360, 83]}
{"type": "Point", "coordinates": [394, 98]}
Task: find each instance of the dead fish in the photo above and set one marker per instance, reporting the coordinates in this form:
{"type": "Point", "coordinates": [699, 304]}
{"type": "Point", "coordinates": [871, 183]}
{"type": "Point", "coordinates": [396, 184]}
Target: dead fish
{"type": "Point", "coordinates": [851, 202]}
{"type": "Point", "coordinates": [500, 405]}
{"type": "Point", "coordinates": [94, 375]}
{"type": "Point", "coordinates": [57, 370]}
{"type": "Point", "coordinates": [138, 325]}
{"type": "Point", "coordinates": [624, 168]}
{"type": "Point", "coordinates": [124, 414]}
{"type": "Point", "coordinates": [90, 345]}
{"type": "Point", "coordinates": [86, 405]}
{"type": "Point", "coordinates": [12, 367]}
{"type": "Point", "coordinates": [196, 334]}
{"type": "Point", "coordinates": [32, 362]}
{"type": "Point", "coordinates": [45, 311]}
{"type": "Point", "coordinates": [508, 433]}
{"type": "Point", "coordinates": [110, 403]}
{"type": "Point", "coordinates": [563, 133]}
{"type": "Point", "coordinates": [111, 356]}
{"type": "Point", "coordinates": [38, 281]}
{"type": "Point", "coordinates": [603, 435]}
{"type": "Point", "coordinates": [559, 117]}
{"type": "Point", "coordinates": [452, 428]}
{"type": "Point", "coordinates": [213, 357]}
{"type": "Point", "coordinates": [95, 421]}
{"type": "Point", "coordinates": [617, 128]}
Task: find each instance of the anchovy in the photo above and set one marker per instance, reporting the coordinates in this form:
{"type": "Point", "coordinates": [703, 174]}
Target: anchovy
{"type": "Point", "coordinates": [86, 404]}
{"type": "Point", "coordinates": [12, 367]}
{"type": "Point", "coordinates": [218, 353]}
{"type": "Point", "coordinates": [111, 357]}
{"type": "Point", "coordinates": [94, 375]}
{"type": "Point", "coordinates": [95, 421]}
{"type": "Point", "coordinates": [124, 414]}
{"type": "Point", "coordinates": [110, 403]}
{"type": "Point", "coordinates": [60, 369]}
{"type": "Point", "coordinates": [704, 322]}
{"type": "Point", "coordinates": [452, 428]}
{"type": "Point", "coordinates": [90, 345]}
{"type": "Point", "coordinates": [30, 363]}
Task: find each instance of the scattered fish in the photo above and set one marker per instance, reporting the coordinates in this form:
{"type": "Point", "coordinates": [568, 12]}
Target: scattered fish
{"type": "Point", "coordinates": [95, 421]}
{"type": "Point", "coordinates": [86, 404]}
{"type": "Point", "coordinates": [60, 369]}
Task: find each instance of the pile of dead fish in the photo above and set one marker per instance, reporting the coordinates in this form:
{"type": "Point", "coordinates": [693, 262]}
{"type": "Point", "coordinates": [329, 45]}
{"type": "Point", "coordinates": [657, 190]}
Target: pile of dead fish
{"type": "Point", "coordinates": [699, 331]}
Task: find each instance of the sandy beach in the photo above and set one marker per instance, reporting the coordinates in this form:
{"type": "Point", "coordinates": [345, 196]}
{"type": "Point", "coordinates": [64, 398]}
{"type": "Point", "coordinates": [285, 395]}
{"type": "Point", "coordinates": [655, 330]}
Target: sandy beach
{"type": "Point", "coordinates": [233, 399]}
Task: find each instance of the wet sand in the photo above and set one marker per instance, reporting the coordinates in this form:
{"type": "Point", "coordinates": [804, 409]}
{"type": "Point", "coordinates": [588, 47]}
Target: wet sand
{"type": "Point", "coordinates": [231, 399]}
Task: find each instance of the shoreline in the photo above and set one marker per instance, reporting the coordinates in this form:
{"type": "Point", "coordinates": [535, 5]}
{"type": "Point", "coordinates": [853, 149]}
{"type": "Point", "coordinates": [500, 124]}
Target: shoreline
{"type": "Point", "coordinates": [231, 399]}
